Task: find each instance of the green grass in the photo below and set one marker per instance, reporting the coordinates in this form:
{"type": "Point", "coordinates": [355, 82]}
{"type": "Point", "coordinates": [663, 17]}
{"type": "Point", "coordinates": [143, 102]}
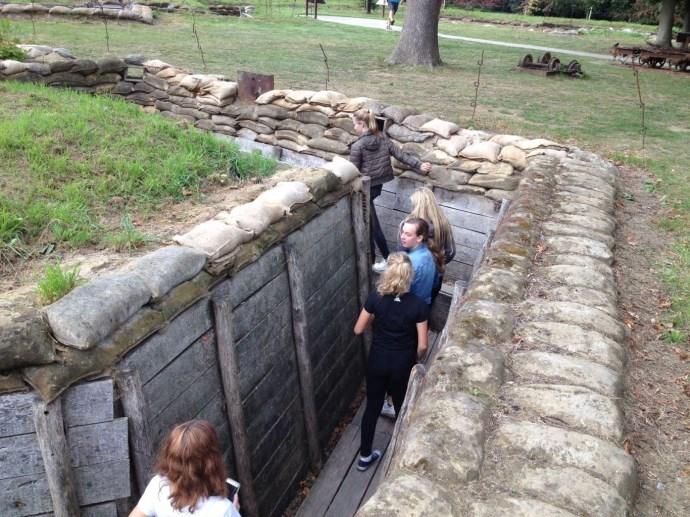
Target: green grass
{"type": "Point", "coordinates": [128, 237]}
{"type": "Point", "coordinates": [599, 113]}
{"type": "Point", "coordinates": [64, 156]}
{"type": "Point", "coordinates": [56, 283]}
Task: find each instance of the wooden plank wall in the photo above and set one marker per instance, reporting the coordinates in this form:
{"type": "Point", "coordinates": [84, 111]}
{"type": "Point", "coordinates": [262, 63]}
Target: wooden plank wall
{"type": "Point", "coordinates": [97, 443]}
{"type": "Point", "coordinates": [471, 217]}
{"type": "Point", "coordinates": [327, 248]}
{"type": "Point", "coordinates": [179, 370]}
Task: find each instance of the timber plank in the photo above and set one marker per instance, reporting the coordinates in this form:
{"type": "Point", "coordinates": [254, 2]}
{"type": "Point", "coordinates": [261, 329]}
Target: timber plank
{"type": "Point", "coordinates": [316, 229]}
{"type": "Point", "coordinates": [356, 483]}
{"type": "Point", "coordinates": [156, 352]}
{"type": "Point", "coordinates": [252, 278]}
{"type": "Point", "coordinates": [284, 425]}
{"type": "Point", "coordinates": [173, 380]}
{"type": "Point", "coordinates": [108, 509]}
{"type": "Point", "coordinates": [467, 202]}
{"type": "Point", "coordinates": [16, 416]}
{"type": "Point", "coordinates": [338, 464]}
{"type": "Point", "coordinates": [249, 313]}
{"type": "Point", "coordinates": [215, 413]}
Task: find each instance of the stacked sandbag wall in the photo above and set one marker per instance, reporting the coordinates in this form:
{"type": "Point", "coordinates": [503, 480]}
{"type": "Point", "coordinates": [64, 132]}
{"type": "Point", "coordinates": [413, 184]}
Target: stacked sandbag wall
{"type": "Point", "coordinates": [520, 412]}
{"type": "Point", "coordinates": [153, 320]}
{"type": "Point", "coordinates": [131, 12]}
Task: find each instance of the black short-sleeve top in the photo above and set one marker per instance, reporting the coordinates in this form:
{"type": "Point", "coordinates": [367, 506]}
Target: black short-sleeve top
{"type": "Point", "coordinates": [395, 319]}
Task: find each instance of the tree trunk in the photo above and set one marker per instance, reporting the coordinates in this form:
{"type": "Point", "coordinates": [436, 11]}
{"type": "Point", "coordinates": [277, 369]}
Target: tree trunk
{"type": "Point", "coordinates": [418, 43]}
{"type": "Point", "coordinates": [686, 17]}
{"type": "Point", "coordinates": [665, 31]}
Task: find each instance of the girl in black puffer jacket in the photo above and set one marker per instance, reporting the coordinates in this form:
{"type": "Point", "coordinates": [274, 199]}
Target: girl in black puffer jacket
{"type": "Point", "coordinates": [371, 153]}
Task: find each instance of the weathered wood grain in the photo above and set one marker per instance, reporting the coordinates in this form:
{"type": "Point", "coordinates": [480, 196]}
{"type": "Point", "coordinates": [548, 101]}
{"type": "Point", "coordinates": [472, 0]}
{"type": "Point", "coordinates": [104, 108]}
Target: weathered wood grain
{"type": "Point", "coordinates": [50, 433]}
{"type": "Point", "coordinates": [136, 410]}
{"type": "Point", "coordinates": [16, 415]}
{"type": "Point", "coordinates": [252, 278]}
{"type": "Point", "coordinates": [249, 314]}
{"type": "Point", "coordinates": [96, 510]}
{"type": "Point", "coordinates": [155, 353]}
{"type": "Point", "coordinates": [222, 310]}
{"type": "Point", "coordinates": [300, 332]}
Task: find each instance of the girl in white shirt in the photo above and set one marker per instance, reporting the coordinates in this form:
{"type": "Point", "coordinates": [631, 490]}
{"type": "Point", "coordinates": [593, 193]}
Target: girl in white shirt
{"type": "Point", "coordinates": [190, 479]}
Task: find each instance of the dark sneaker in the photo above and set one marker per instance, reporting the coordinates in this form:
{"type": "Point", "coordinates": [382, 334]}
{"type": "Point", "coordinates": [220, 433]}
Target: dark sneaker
{"type": "Point", "coordinates": [393, 22]}
{"type": "Point", "coordinates": [364, 463]}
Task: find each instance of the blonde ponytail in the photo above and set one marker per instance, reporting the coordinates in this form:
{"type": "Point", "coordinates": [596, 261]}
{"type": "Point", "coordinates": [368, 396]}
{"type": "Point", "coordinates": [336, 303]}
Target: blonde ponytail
{"type": "Point", "coordinates": [366, 116]}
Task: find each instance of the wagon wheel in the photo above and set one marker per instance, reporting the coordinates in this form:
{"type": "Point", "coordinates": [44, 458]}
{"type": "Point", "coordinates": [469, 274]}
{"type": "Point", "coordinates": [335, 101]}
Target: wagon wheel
{"type": "Point", "coordinates": [525, 61]}
{"type": "Point", "coordinates": [554, 65]}
{"type": "Point", "coordinates": [658, 62]}
{"type": "Point", "coordinates": [544, 60]}
{"type": "Point", "coordinates": [573, 68]}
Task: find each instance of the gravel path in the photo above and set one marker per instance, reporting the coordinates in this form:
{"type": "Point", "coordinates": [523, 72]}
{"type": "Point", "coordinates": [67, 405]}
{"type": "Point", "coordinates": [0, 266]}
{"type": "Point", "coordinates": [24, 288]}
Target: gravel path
{"type": "Point", "coordinates": [381, 24]}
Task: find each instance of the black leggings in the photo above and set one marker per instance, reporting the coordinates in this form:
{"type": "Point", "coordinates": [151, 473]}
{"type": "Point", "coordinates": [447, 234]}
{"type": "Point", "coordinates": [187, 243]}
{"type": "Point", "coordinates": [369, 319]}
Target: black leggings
{"type": "Point", "coordinates": [377, 237]}
{"type": "Point", "coordinates": [387, 372]}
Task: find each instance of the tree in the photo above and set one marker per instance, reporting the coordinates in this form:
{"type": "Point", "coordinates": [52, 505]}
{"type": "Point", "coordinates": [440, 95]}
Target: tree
{"type": "Point", "coordinates": [418, 44]}
{"type": "Point", "coordinates": [664, 33]}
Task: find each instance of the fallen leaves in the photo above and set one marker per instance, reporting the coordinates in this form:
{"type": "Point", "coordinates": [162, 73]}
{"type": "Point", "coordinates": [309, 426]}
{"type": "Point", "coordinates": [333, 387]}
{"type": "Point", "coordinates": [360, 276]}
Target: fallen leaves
{"type": "Point", "coordinates": [683, 355]}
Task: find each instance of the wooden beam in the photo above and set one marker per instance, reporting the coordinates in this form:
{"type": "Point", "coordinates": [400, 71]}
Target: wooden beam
{"type": "Point", "coordinates": [50, 431]}
{"type": "Point", "coordinates": [300, 331]}
{"type": "Point", "coordinates": [230, 376]}
{"type": "Point", "coordinates": [414, 388]}
{"type": "Point", "coordinates": [131, 391]}
{"type": "Point", "coordinates": [360, 210]}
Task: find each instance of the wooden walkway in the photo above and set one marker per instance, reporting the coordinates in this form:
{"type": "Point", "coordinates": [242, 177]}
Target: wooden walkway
{"type": "Point", "coordinates": [340, 488]}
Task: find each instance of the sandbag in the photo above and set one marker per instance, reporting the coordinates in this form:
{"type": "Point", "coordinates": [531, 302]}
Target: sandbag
{"type": "Point", "coordinates": [287, 134]}
{"type": "Point", "coordinates": [353, 104]}
{"type": "Point", "coordinates": [529, 145]}
{"type": "Point", "coordinates": [415, 122]}
{"type": "Point", "coordinates": [214, 238]}
{"type": "Point", "coordinates": [253, 217]}
{"type": "Point", "coordinates": [269, 96]}
{"type": "Point", "coordinates": [59, 9]}
{"type": "Point", "coordinates": [327, 98]}
{"type": "Point", "coordinates": [404, 134]}
{"type": "Point", "coordinates": [91, 312]}
{"type": "Point", "coordinates": [167, 267]}
{"type": "Point", "coordinates": [482, 151]}
{"type": "Point", "coordinates": [286, 194]}
{"type": "Point", "coordinates": [453, 145]}
{"type": "Point", "coordinates": [11, 67]}
{"type": "Point", "coordinates": [155, 65]}
{"type": "Point", "coordinates": [344, 169]}
{"type": "Point", "coordinates": [496, 169]}
{"type": "Point", "coordinates": [514, 156]}
{"type": "Point", "coordinates": [329, 112]}
{"type": "Point", "coordinates": [24, 340]}
{"type": "Point", "coordinates": [299, 96]}
{"type": "Point", "coordinates": [282, 103]}
{"type": "Point", "coordinates": [398, 113]}
{"type": "Point", "coordinates": [505, 139]}
{"type": "Point", "coordinates": [221, 90]}
{"type": "Point", "coordinates": [191, 82]}
{"type": "Point", "coordinates": [326, 144]}
{"type": "Point", "coordinates": [442, 128]}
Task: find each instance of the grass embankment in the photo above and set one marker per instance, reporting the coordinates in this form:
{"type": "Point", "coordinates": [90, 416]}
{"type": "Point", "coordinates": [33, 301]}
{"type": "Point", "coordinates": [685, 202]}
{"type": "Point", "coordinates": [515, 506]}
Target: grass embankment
{"type": "Point", "coordinates": [599, 113]}
{"type": "Point", "coordinates": [68, 162]}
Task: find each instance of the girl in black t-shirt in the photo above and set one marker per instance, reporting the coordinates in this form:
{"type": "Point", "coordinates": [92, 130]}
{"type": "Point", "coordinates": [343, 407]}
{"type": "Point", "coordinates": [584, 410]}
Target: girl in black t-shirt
{"type": "Point", "coordinates": [399, 340]}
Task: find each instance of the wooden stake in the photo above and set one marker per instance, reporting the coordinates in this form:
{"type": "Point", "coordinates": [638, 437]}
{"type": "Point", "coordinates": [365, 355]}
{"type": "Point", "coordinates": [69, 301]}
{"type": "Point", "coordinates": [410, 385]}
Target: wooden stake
{"type": "Point", "coordinates": [301, 337]}
{"type": "Point", "coordinates": [360, 210]}
{"type": "Point", "coordinates": [136, 410]}
{"type": "Point", "coordinates": [50, 430]}
{"type": "Point", "coordinates": [229, 372]}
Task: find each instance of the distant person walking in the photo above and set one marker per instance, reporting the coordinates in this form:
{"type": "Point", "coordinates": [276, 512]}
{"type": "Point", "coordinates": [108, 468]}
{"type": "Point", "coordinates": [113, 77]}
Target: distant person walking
{"type": "Point", "coordinates": [371, 153]}
{"type": "Point", "coordinates": [400, 339]}
{"type": "Point", "coordinates": [190, 477]}
{"type": "Point", "coordinates": [392, 10]}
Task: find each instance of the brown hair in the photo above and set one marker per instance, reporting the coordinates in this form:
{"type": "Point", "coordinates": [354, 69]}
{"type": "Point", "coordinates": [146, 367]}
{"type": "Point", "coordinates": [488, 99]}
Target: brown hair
{"type": "Point", "coordinates": [366, 116]}
{"type": "Point", "coordinates": [422, 229]}
{"type": "Point", "coordinates": [190, 458]}
{"type": "Point", "coordinates": [397, 277]}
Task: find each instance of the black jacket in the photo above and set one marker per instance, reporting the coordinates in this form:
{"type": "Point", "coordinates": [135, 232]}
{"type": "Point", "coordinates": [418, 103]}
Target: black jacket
{"type": "Point", "coordinates": [371, 154]}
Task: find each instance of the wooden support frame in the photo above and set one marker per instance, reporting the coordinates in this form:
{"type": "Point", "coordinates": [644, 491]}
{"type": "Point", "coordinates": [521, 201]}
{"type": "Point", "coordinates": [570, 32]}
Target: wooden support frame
{"type": "Point", "coordinates": [361, 213]}
{"type": "Point", "coordinates": [131, 391]}
{"type": "Point", "coordinates": [229, 373]}
{"type": "Point", "coordinates": [300, 331]}
{"type": "Point", "coordinates": [50, 431]}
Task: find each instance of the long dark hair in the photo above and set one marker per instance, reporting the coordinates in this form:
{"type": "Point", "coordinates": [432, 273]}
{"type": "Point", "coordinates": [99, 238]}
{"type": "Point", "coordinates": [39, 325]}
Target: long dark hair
{"type": "Point", "coordinates": [422, 230]}
{"type": "Point", "coordinates": [191, 460]}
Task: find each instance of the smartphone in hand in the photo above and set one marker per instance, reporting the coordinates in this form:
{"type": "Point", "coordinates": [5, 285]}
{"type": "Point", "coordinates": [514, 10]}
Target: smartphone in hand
{"type": "Point", "coordinates": [233, 488]}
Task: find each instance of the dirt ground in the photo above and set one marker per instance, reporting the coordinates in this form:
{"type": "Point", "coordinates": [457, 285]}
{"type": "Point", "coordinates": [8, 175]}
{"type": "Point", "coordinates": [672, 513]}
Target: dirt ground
{"type": "Point", "coordinates": [657, 397]}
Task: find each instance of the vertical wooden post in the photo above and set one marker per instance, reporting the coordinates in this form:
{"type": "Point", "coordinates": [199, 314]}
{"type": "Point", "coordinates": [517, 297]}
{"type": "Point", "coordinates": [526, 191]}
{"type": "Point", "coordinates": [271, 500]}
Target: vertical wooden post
{"type": "Point", "coordinates": [50, 431]}
{"type": "Point", "coordinates": [360, 210]}
{"type": "Point", "coordinates": [229, 373]}
{"type": "Point", "coordinates": [300, 332]}
{"type": "Point", "coordinates": [131, 392]}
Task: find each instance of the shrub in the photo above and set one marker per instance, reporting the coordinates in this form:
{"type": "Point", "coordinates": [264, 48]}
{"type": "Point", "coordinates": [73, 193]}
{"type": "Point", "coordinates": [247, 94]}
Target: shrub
{"type": "Point", "coordinates": [56, 283]}
{"type": "Point", "coordinates": [8, 45]}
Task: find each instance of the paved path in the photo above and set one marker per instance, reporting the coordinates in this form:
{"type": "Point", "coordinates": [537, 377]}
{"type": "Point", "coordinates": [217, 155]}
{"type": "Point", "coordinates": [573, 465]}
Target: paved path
{"type": "Point", "coordinates": [381, 24]}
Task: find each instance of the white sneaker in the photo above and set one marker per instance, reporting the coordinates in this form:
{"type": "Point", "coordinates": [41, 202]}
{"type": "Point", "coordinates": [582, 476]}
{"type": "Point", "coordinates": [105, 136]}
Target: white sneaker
{"type": "Point", "coordinates": [388, 410]}
{"type": "Point", "coordinates": [379, 267]}
{"type": "Point", "coordinates": [388, 26]}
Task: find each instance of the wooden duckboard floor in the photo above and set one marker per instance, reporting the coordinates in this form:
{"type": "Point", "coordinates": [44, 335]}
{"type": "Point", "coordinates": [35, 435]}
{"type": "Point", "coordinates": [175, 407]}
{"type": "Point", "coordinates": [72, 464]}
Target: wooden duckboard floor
{"type": "Point", "coordinates": [341, 489]}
